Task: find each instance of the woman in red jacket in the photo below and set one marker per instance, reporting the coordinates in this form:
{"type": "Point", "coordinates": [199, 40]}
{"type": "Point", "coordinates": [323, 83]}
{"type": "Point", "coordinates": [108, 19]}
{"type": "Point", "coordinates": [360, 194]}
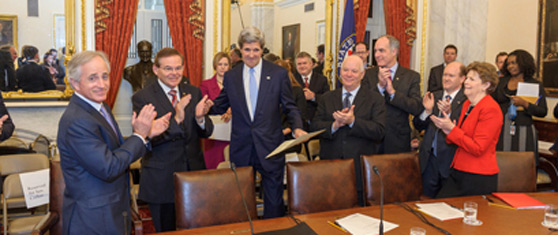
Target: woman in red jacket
{"type": "Point", "coordinates": [474, 167]}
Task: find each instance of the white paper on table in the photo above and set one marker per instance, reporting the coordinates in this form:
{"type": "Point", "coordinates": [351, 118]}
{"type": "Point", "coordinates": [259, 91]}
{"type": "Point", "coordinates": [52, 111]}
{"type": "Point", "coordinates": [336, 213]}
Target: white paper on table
{"type": "Point", "coordinates": [293, 142]}
{"type": "Point", "coordinates": [440, 210]}
{"type": "Point", "coordinates": [221, 129]}
{"type": "Point", "coordinates": [527, 89]}
{"type": "Point", "coordinates": [35, 187]}
{"type": "Point", "coordinates": [359, 224]}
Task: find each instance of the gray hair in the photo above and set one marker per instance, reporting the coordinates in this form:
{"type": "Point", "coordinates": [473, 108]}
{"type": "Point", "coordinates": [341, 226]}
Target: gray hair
{"type": "Point", "coordinates": [362, 67]}
{"type": "Point", "coordinates": [81, 58]}
{"type": "Point", "coordinates": [249, 35]}
{"type": "Point", "coordinates": [393, 42]}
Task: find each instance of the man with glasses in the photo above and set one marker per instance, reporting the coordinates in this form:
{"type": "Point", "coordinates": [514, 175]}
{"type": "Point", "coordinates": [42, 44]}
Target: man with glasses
{"type": "Point", "coordinates": [177, 149]}
{"type": "Point", "coordinates": [362, 51]}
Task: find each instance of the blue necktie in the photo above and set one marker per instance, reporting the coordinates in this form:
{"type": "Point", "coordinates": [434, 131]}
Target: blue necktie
{"type": "Point", "coordinates": [347, 101]}
{"type": "Point", "coordinates": [253, 91]}
{"type": "Point", "coordinates": [106, 115]}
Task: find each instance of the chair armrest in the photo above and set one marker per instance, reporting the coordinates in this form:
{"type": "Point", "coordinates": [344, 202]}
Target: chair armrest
{"type": "Point", "coordinates": [136, 221]}
{"type": "Point", "coordinates": [45, 224]}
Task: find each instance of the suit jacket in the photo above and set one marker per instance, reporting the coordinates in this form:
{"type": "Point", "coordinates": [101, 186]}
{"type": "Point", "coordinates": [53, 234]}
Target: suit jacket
{"type": "Point", "coordinates": [407, 100]}
{"type": "Point", "coordinates": [7, 72]}
{"type": "Point", "coordinates": [445, 151]}
{"type": "Point", "coordinates": [264, 133]}
{"type": "Point", "coordinates": [350, 142]}
{"type": "Point", "coordinates": [32, 77]}
{"type": "Point", "coordinates": [319, 69]}
{"type": "Point", "coordinates": [210, 88]}
{"type": "Point", "coordinates": [435, 79]}
{"type": "Point", "coordinates": [476, 137]}
{"type": "Point", "coordinates": [8, 126]}
{"type": "Point", "coordinates": [175, 150]}
{"type": "Point", "coordinates": [95, 163]}
{"type": "Point", "coordinates": [319, 85]}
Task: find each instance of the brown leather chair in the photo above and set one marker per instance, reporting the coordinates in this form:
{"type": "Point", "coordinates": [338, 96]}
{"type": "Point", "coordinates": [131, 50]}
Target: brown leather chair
{"type": "Point", "coordinates": [548, 168]}
{"type": "Point", "coordinates": [211, 197]}
{"type": "Point", "coordinates": [321, 186]}
{"type": "Point", "coordinates": [517, 172]}
{"type": "Point", "coordinates": [400, 174]}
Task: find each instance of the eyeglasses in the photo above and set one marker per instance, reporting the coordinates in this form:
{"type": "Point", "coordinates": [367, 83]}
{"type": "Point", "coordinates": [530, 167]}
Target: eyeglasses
{"type": "Point", "coordinates": [170, 69]}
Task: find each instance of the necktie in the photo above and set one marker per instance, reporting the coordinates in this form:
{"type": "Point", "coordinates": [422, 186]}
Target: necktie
{"type": "Point", "coordinates": [253, 91]}
{"type": "Point", "coordinates": [448, 98]}
{"type": "Point", "coordinates": [346, 100]}
{"type": "Point", "coordinates": [106, 115]}
{"type": "Point", "coordinates": [435, 141]}
{"type": "Point", "coordinates": [172, 94]}
{"type": "Point", "coordinates": [386, 94]}
{"type": "Point", "coordinates": [306, 82]}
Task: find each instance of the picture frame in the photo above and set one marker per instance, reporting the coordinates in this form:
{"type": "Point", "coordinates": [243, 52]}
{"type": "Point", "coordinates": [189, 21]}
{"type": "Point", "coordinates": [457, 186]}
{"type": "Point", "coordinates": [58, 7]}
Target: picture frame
{"type": "Point", "coordinates": [59, 34]}
{"type": "Point", "coordinates": [291, 41]}
{"type": "Point", "coordinates": [320, 32]}
{"type": "Point", "coordinates": [547, 61]}
{"type": "Point", "coordinates": [8, 30]}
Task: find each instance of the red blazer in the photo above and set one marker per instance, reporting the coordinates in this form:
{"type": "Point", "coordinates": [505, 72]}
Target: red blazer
{"type": "Point", "coordinates": [210, 88]}
{"type": "Point", "coordinates": [477, 137]}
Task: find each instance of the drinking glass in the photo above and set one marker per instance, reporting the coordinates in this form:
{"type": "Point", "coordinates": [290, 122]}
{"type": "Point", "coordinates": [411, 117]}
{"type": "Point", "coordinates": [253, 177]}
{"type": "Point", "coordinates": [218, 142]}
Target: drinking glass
{"type": "Point", "coordinates": [470, 213]}
{"type": "Point", "coordinates": [551, 216]}
{"type": "Point", "coordinates": [418, 231]}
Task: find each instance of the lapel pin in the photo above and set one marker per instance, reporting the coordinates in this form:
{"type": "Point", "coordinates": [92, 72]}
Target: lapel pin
{"type": "Point", "coordinates": [397, 78]}
{"type": "Point", "coordinates": [268, 77]}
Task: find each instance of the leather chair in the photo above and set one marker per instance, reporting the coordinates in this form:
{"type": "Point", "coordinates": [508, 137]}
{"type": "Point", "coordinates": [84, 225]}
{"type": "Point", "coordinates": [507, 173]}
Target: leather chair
{"type": "Point", "coordinates": [517, 172]}
{"type": "Point", "coordinates": [211, 197]}
{"type": "Point", "coordinates": [12, 189]}
{"type": "Point", "coordinates": [549, 169]}
{"type": "Point", "coordinates": [400, 174]}
{"type": "Point", "coordinates": [321, 186]}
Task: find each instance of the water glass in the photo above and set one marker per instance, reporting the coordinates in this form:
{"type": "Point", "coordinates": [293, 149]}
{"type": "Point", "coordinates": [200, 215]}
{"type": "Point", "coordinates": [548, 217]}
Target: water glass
{"type": "Point", "coordinates": [470, 210]}
{"type": "Point", "coordinates": [418, 231]}
{"type": "Point", "coordinates": [551, 216]}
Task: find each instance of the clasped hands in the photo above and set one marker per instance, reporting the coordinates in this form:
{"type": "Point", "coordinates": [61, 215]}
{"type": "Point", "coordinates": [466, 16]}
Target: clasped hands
{"type": "Point", "coordinates": [428, 103]}
{"type": "Point", "coordinates": [343, 117]}
{"type": "Point", "coordinates": [384, 80]}
{"type": "Point", "coordinates": [202, 108]}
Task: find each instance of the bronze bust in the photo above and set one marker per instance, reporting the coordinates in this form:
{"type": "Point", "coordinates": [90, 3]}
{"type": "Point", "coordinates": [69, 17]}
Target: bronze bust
{"type": "Point", "coordinates": [141, 74]}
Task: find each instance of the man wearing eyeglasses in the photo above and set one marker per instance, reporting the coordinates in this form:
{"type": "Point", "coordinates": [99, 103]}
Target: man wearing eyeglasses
{"type": "Point", "coordinates": [362, 51]}
{"type": "Point", "coordinates": [178, 149]}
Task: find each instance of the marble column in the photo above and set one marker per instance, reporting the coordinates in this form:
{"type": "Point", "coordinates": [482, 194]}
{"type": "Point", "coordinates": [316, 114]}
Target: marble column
{"type": "Point", "coordinates": [262, 18]}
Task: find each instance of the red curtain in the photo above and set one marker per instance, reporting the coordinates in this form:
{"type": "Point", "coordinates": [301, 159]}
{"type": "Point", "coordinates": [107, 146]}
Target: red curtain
{"type": "Point", "coordinates": [187, 29]}
{"type": "Point", "coordinates": [114, 24]}
{"type": "Point", "coordinates": [401, 23]}
{"type": "Point", "coordinates": [361, 16]}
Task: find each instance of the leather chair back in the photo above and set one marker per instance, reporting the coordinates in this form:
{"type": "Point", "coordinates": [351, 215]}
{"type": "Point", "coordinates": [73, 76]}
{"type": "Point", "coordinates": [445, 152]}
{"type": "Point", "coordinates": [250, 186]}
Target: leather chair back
{"type": "Point", "coordinates": [211, 197]}
{"type": "Point", "coordinates": [321, 186]}
{"type": "Point", "coordinates": [400, 174]}
{"type": "Point", "coordinates": [20, 163]}
{"type": "Point", "coordinates": [57, 187]}
{"type": "Point", "coordinates": [517, 172]}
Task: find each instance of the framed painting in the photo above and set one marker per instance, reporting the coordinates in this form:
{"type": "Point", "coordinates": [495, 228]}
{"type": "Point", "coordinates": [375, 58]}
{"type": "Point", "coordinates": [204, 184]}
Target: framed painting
{"type": "Point", "coordinates": [291, 41]}
{"type": "Point", "coordinates": [8, 30]}
{"type": "Point", "coordinates": [320, 32]}
{"type": "Point", "coordinates": [548, 46]}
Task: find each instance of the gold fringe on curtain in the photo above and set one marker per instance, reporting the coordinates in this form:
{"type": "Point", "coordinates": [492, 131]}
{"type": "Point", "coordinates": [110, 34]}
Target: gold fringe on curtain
{"type": "Point", "coordinates": [411, 20]}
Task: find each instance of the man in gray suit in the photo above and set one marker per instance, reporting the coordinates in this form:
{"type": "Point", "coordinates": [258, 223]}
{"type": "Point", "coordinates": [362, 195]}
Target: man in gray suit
{"type": "Point", "coordinates": [436, 73]}
{"type": "Point", "coordinates": [401, 90]}
{"type": "Point", "coordinates": [435, 154]}
{"type": "Point", "coordinates": [93, 154]}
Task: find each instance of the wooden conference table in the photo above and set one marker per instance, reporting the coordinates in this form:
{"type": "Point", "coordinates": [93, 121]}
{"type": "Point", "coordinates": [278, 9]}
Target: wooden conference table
{"type": "Point", "coordinates": [496, 220]}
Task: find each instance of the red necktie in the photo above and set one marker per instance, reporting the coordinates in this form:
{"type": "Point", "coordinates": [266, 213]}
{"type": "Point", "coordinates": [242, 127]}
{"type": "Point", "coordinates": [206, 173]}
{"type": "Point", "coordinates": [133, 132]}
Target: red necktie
{"type": "Point", "coordinates": [172, 93]}
{"type": "Point", "coordinates": [306, 82]}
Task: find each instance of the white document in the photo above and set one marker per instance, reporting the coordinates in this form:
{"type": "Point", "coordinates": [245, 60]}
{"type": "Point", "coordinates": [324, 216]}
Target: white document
{"type": "Point", "coordinates": [359, 224]}
{"type": "Point", "coordinates": [35, 187]}
{"type": "Point", "coordinates": [290, 143]}
{"type": "Point", "coordinates": [527, 89]}
{"type": "Point", "coordinates": [221, 129]}
{"type": "Point", "coordinates": [440, 210]}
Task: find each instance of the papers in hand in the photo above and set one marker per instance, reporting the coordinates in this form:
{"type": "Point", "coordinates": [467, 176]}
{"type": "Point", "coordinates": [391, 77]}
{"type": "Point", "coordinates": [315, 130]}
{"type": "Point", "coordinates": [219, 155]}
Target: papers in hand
{"type": "Point", "coordinates": [440, 210]}
{"type": "Point", "coordinates": [359, 224]}
{"type": "Point", "coordinates": [221, 129]}
{"type": "Point", "coordinates": [528, 91]}
{"type": "Point", "coordinates": [294, 142]}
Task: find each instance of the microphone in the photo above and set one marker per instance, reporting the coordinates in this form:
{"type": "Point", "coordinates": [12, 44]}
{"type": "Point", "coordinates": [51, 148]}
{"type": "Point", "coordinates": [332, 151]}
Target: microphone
{"type": "Point", "coordinates": [375, 168]}
{"type": "Point", "coordinates": [233, 168]}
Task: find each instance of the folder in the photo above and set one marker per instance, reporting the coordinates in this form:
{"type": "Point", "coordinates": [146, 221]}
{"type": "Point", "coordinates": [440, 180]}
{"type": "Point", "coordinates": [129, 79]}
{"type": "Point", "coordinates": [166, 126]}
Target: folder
{"type": "Point", "coordinates": [520, 200]}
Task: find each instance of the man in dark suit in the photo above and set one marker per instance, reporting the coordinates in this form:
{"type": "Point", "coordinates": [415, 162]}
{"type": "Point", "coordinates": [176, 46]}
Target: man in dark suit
{"type": "Point", "coordinates": [436, 73]}
{"type": "Point", "coordinates": [314, 84]}
{"type": "Point", "coordinates": [319, 69]}
{"type": "Point", "coordinates": [401, 90]}
{"type": "Point", "coordinates": [94, 156]}
{"type": "Point", "coordinates": [254, 92]}
{"type": "Point", "coordinates": [6, 125]}
{"type": "Point", "coordinates": [362, 51]}
{"type": "Point", "coordinates": [435, 154]}
{"type": "Point", "coordinates": [354, 119]}
{"type": "Point", "coordinates": [32, 77]}
{"type": "Point", "coordinates": [179, 147]}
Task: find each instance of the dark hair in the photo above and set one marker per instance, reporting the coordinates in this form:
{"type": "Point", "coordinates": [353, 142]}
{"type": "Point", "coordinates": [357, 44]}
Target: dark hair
{"type": "Point", "coordinates": [321, 48]}
{"type": "Point", "coordinates": [167, 52]}
{"type": "Point", "coordinates": [450, 46]}
{"type": "Point", "coordinates": [29, 52]}
{"type": "Point", "coordinates": [502, 53]}
{"type": "Point", "coordinates": [271, 57]}
{"type": "Point", "coordinates": [237, 52]}
{"type": "Point", "coordinates": [362, 43]}
{"type": "Point", "coordinates": [525, 62]}
{"type": "Point", "coordinates": [45, 57]}
{"type": "Point", "coordinates": [303, 54]}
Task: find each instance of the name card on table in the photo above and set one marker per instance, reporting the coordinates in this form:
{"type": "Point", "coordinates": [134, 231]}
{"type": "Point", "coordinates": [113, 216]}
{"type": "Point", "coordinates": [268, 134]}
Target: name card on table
{"type": "Point", "coordinates": [36, 187]}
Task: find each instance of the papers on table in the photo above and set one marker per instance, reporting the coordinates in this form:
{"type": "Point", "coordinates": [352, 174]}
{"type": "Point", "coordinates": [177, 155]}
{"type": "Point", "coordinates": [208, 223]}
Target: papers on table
{"type": "Point", "coordinates": [359, 224]}
{"type": "Point", "coordinates": [221, 129]}
{"type": "Point", "coordinates": [440, 210]}
{"type": "Point", "coordinates": [528, 91]}
{"type": "Point", "coordinates": [520, 200]}
{"type": "Point", "coordinates": [35, 187]}
{"type": "Point", "coordinates": [294, 142]}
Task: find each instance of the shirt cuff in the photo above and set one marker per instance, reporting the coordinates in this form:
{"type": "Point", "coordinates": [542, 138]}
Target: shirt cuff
{"type": "Point", "coordinates": [141, 138]}
{"type": "Point", "coordinates": [381, 89]}
{"type": "Point", "coordinates": [202, 125]}
{"type": "Point", "coordinates": [423, 116]}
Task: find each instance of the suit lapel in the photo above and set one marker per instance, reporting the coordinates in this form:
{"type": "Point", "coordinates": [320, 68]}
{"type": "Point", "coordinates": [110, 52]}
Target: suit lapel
{"type": "Point", "coordinates": [338, 101]}
{"type": "Point", "coordinates": [265, 86]}
{"type": "Point", "coordinates": [163, 99]}
{"type": "Point", "coordinates": [398, 73]}
{"type": "Point", "coordinates": [458, 100]}
{"type": "Point", "coordinates": [238, 77]}
{"type": "Point", "coordinates": [359, 100]}
{"type": "Point", "coordinates": [96, 114]}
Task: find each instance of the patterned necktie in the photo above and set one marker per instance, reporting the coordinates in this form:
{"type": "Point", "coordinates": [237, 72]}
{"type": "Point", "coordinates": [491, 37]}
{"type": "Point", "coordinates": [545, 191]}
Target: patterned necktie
{"type": "Point", "coordinates": [174, 101]}
{"type": "Point", "coordinates": [306, 82]}
{"type": "Point", "coordinates": [448, 98]}
{"type": "Point", "coordinates": [253, 91]}
{"type": "Point", "coordinates": [106, 115]}
{"type": "Point", "coordinates": [346, 100]}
